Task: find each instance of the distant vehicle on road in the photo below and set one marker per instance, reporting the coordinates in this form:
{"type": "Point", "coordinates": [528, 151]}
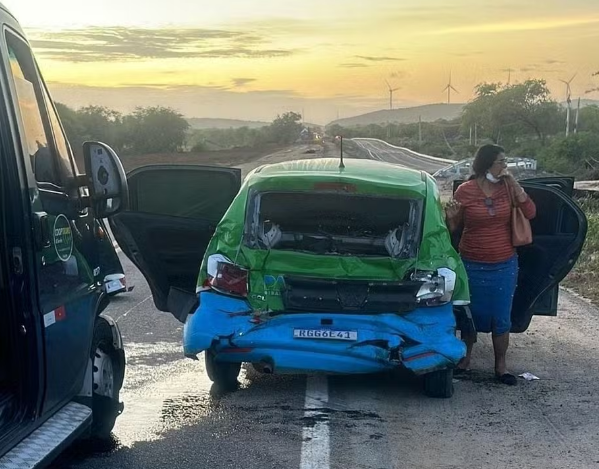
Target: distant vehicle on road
{"type": "Point", "coordinates": [462, 167]}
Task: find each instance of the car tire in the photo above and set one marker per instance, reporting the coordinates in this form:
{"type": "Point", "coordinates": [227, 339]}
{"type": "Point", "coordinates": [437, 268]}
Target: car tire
{"type": "Point", "coordinates": [439, 384]}
{"type": "Point", "coordinates": [223, 374]}
{"type": "Point", "coordinates": [108, 370]}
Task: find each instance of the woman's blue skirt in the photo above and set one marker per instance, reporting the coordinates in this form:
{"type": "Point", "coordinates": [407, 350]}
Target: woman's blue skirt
{"type": "Point", "coordinates": [492, 288]}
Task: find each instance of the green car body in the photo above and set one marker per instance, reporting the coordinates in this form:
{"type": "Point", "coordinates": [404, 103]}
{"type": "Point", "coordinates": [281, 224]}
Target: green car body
{"type": "Point", "coordinates": [358, 178]}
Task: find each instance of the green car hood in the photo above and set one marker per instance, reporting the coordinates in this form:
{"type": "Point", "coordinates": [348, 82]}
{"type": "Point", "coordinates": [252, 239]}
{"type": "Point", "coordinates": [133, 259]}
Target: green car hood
{"type": "Point", "coordinates": [268, 267]}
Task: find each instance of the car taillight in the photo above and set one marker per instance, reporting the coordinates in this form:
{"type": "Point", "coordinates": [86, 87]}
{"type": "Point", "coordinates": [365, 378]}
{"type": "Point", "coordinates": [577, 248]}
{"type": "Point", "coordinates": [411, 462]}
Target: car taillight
{"type": "Point", "coordinates": [226, 277]}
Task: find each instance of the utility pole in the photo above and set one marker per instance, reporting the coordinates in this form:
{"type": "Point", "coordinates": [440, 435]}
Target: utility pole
{"type": "Point", "coordinates": [577, 114]}
{"type": "Point", "coordinates": [470, 139]}
{"type": "Point", "coordinates": [419, 129]}
{"type": "Point", "coordinates": [475, 133]}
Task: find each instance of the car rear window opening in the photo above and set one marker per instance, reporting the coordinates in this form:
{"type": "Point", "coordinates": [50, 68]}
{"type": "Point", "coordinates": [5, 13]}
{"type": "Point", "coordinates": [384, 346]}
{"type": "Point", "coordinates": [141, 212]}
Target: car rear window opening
{"type": "Point", "coordinates": [334, 223]}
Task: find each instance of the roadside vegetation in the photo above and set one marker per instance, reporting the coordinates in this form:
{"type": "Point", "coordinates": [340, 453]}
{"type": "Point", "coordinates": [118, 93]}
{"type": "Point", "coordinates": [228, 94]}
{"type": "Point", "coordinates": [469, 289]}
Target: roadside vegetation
{"type": "Point", "coordinates": [584, 278]}
{"type": "Point", "coordinates": [153, 130]}
{"type": "Point", "coordinates": [284, 130]}
{"type": "Point", "coordinates": [145, 130]}
{"type": "Point", "coordinates": [522, 117]}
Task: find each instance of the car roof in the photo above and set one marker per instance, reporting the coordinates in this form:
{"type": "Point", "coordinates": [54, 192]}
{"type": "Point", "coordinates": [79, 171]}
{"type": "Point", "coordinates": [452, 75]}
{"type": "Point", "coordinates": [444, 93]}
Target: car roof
{"type": "Point", "coordinates": [3, 10]}
{"type": "Point", "coordinates": [355, 169]}
{"type": "Point", "coordinates": [371, 176]}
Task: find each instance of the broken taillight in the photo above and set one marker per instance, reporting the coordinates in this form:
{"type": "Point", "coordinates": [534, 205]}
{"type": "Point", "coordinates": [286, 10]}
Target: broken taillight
{"type": "Point", "coordinates": [226, 277]}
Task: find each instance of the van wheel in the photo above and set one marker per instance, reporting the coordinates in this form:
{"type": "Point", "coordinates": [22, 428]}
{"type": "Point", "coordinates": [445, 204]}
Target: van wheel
{"type": "Point", "coordinates": [223, 374]}
{"type": "Point", "coordinates": [108, 370]}
{"type": "Point", "coordinates": [439, 384]}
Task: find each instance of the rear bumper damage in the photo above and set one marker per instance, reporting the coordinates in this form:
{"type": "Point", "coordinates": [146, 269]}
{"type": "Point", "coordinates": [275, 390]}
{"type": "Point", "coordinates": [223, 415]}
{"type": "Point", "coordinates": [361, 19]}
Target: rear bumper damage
{"type": "Point", "coordinates": [422, 341]}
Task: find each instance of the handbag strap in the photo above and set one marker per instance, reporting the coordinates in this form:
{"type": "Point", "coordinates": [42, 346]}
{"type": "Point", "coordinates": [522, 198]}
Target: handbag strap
{"type": "Point", "coordinates": [510, 196]}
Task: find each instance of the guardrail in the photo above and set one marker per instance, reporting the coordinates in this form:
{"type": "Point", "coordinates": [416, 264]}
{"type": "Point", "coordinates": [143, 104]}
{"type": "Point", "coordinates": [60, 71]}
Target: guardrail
{"type": "Point", "coordinates": [407, 150]}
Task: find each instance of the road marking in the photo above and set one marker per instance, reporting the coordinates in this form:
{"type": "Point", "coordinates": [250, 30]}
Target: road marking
{"type": "Point", "coordinates": [316, 447]}
{"type": "Point", "coordinates": [131, 309]}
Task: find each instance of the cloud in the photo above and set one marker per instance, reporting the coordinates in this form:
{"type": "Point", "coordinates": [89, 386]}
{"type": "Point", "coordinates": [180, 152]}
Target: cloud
{"type": "Point", "coordinates": [353, 65]}
{"type": "Point", "coordinates": [240, 82]}
{"type": "Point", "coordinates": [537, 24]}
{"type": "Point", "coordinates": [379, 58]}
{"type": "Point", "coordinates": [97, 44]}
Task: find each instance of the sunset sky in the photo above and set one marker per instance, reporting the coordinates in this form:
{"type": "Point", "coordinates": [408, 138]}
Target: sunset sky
{"type": "Point", "coordinates": [251, 59]}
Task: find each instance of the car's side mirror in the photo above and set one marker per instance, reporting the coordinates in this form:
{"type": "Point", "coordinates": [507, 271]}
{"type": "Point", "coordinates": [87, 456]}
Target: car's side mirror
{"type": "Point", "coordinates": [106, 180]}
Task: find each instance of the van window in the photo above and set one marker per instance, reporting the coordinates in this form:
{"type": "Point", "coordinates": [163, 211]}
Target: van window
{"type": "Point", "coordinates": [65, 160]}
{"type": "Point", "coordinates": [44, 150]}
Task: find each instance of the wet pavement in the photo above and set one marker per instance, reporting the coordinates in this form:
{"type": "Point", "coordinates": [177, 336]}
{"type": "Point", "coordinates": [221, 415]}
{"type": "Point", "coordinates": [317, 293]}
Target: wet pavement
{"type": "Point", "coordinates": [175, 418]}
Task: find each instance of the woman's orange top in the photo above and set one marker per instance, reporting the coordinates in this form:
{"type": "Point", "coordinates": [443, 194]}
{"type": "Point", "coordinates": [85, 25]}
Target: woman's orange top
{"type": "Point", "coordinates": [486, 221]}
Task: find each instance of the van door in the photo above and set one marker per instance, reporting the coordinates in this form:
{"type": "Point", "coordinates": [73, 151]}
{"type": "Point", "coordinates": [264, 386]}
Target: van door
{"type": "Point", "coordinates": [66, 267]}
{"type": "Point", "coordinates": [173, 212]}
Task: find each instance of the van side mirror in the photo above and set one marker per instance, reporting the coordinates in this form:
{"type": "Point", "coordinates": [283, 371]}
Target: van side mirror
{"type": "Point", "coordinates": [106, 180]}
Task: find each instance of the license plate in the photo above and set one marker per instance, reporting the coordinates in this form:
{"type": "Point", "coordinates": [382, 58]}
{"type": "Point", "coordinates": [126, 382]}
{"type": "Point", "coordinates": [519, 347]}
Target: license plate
{"type": "Point", "coordinates": [324, 334]}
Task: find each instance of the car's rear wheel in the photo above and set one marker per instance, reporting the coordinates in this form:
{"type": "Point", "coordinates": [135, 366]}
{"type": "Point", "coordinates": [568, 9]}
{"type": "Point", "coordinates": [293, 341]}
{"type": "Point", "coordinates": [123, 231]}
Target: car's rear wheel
{"type": "Point", "coordinates": [223, 374]}
{"type": "Point", "coordinates": [439, 384]}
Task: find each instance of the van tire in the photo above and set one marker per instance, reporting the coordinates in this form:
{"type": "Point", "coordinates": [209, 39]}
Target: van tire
{"type": "Point", "coordinates": [223, 374]}
{"type": "Point", "coordinates": [108, 370]}
{"type": "Point", "coordinates": [439, 384]}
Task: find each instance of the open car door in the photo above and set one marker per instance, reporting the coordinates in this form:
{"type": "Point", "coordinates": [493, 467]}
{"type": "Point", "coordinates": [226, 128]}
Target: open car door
{"type": "Point", "coordinates": [559, 231]}
{"type": "Point", "coordinates": [173, 213]}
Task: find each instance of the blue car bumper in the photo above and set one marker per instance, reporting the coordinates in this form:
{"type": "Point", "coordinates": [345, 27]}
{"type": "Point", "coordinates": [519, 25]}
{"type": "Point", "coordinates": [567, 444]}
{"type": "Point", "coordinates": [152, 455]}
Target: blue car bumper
{"type": "Point", "coordinates": [422, 341]}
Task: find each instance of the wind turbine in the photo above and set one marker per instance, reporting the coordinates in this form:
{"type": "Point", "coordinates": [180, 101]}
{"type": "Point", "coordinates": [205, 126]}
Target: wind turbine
{"type": "Point", "coordinates": [569, 102]}
{"type": "Point", "coordinates": [391, 90]}
{"type": "Point", "coordinates": [448, 88]}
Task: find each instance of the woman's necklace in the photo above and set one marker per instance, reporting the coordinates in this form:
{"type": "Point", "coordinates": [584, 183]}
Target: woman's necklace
{"type": "Point", "coordinates": [488, 191]}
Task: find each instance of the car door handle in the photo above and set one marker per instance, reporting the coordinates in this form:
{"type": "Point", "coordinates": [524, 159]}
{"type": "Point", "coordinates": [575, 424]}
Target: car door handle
{"type": "Point", "coordinates": [42, 230]}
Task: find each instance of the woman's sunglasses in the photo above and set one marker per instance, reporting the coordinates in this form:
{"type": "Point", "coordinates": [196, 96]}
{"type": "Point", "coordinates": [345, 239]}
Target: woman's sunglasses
{"type": "Point", "coordinates": [490, 206]}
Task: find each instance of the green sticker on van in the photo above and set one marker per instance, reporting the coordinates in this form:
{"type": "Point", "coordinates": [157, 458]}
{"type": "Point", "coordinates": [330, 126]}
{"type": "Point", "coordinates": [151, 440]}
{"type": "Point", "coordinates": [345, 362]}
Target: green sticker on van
{"type": "Point", "coordinates": [63, 238]}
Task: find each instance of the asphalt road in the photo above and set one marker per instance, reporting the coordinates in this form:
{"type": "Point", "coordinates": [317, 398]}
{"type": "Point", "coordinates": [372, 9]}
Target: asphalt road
{"type": "Point", "coordinates": [175, 419]}
{"type": "Point", "coordinates": [382, 151]}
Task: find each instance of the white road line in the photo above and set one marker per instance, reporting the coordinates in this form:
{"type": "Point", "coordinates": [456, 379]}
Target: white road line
{"type": "Point", "coordinates": [316, 447]}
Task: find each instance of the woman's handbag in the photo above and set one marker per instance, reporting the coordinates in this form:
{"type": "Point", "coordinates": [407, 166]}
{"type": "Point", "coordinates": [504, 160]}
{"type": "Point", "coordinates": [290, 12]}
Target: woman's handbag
{"type": "Point", "coordinates": [521, 230]}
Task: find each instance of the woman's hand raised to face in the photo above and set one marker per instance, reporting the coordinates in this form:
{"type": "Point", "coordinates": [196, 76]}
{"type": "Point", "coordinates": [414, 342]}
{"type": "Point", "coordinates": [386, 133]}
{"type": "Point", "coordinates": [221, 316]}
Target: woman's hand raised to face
{"type": "Point", "coordinates": [453, 209]}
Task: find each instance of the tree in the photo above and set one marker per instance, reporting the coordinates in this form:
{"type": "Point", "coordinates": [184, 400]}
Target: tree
{"type": "Point", "coordinates": [155, 130]}
{"type": "Point", "coordinates": [578, 153]}
{"type": "Point", "coordinates": [72, 125]}
{"type": "Point", "coordinates": [286, 128]}
{"type": "Point", "coordinates": [479, 113]}
{"type": "Point", "coordinates": [506, 113]}
{"type": "Point", "coordinates": [588, 120]}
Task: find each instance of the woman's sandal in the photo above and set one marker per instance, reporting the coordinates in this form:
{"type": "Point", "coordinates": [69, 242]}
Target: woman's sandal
{"type": "Point", "coordinates": [508, 379]}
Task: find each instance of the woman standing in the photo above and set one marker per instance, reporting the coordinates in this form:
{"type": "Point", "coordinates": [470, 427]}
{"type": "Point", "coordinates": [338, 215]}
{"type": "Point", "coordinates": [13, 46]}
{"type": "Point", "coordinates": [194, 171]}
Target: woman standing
{"type": "Point", "coordinates": [482, 208]}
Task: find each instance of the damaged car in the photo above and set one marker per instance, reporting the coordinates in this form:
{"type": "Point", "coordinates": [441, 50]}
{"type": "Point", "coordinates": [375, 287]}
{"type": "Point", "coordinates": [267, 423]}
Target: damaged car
{"type": "Point", "coordinates": [316, 266]}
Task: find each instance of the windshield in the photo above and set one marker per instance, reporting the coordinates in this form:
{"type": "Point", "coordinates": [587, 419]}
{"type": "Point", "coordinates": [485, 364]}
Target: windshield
{"type": "Point", "coordinates": [334, 224]}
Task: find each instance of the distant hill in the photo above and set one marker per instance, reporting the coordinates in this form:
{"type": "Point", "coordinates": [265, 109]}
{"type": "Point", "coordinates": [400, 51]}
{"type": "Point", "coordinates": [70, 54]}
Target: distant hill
{"type": "Point", "coordinates": [583, 102]}
{"type": "Point", "coordinates": [428, 113]}
{"type": "Point", "coordinates": [200, 123]}
{"type": "Point", "coordinates": [210, 123]}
